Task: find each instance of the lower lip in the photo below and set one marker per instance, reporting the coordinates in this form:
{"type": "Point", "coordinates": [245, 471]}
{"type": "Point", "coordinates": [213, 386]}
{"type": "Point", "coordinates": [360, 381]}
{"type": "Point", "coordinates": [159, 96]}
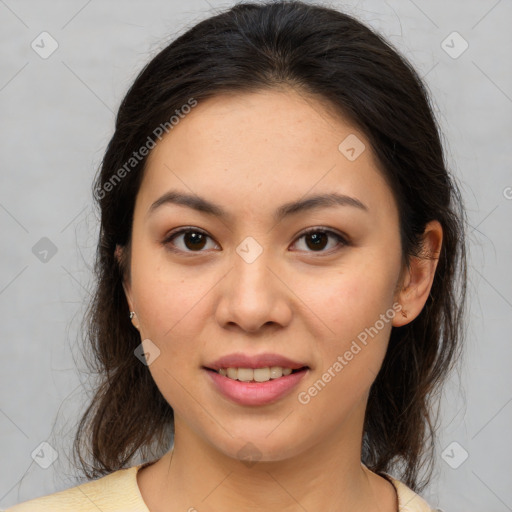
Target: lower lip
{"type": "Point", "coordinates": [256, 393]}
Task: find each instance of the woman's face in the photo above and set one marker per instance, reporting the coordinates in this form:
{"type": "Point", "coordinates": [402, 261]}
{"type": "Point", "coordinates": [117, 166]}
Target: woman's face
{"type": "Point", "coordinates": [251, 282]}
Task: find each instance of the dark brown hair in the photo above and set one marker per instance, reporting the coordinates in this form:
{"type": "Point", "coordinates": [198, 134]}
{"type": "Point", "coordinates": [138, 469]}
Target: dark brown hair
{"type": "Point", "coordinates": [328, 55]}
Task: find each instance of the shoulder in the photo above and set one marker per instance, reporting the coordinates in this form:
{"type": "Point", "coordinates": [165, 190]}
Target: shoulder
{"type": "Point", "coordinates": [115, 492]}
{"type": "Point", "coordinates": [408, 500]}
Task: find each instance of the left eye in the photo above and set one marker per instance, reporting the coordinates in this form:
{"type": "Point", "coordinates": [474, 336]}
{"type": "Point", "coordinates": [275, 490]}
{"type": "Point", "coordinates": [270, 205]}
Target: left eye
{"type": "Point", "coordinates": [318, 237]}
{"type": "Point", "coordinates": [194, 240]}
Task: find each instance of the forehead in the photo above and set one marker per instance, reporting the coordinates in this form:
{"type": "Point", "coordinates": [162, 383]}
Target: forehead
{"type": "Point", "coordinates": [281, 121]}
{"type": "Point", "coordinates": [268, 146]}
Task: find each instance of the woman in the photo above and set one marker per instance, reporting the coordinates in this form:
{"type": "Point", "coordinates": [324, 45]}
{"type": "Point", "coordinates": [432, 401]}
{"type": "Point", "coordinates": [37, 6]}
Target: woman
{"type": "Point", "coordinates": [281, 276]}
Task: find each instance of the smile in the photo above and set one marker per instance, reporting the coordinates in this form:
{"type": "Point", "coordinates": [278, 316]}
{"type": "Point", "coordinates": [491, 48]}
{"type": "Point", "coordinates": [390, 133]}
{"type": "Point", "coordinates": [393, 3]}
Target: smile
{"type": "Point", "coordinates": [241, 385]}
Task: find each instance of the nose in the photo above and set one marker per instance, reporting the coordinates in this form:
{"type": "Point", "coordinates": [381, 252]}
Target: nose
{"type": "Point", "coordinates": [253, 295]}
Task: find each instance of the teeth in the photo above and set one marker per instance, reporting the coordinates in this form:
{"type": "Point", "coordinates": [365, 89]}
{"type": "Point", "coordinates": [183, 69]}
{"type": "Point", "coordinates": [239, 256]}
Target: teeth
{"type": "Point", "coordinates": [256, 374]}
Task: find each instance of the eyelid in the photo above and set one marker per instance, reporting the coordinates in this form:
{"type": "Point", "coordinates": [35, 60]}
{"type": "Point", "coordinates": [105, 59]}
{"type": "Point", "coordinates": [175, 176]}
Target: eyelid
{"type": "Point", "coordinates": [343, 240]}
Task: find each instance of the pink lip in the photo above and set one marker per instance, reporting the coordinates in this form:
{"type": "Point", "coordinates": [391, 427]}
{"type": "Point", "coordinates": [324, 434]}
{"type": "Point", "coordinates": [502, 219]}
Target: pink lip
{"type": "Point", "coordinates": [256, 393]}
{"type": "Point", "coordinates": [239, 360]}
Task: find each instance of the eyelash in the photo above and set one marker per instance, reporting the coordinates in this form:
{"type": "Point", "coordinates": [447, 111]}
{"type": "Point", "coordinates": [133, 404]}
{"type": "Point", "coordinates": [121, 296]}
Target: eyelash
{"type": "Point", "coordinates": [342, 241]}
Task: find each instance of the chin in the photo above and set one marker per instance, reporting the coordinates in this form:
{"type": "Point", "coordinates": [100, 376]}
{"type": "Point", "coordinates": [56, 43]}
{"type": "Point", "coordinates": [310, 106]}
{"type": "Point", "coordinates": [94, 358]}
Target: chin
{"type": "Point", "coordinates": [259, 447]}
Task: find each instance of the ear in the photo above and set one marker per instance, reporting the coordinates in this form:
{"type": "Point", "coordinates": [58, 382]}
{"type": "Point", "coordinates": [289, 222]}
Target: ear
{"type": "Point", "coordinates": [418, 277]}
{"type": "Point", "coordinates": [119, 254]}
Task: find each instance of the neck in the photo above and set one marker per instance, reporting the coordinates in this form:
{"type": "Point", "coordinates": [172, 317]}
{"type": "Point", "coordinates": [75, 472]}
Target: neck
{"type": "Point", "coordinates": [325, 476]}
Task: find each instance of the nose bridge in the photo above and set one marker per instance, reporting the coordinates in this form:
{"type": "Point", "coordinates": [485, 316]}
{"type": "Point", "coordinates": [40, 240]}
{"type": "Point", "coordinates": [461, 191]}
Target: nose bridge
{"type": "Point", "coordinates": [250, 265]}
{"type": "Point", "coordinates": [252, 296]}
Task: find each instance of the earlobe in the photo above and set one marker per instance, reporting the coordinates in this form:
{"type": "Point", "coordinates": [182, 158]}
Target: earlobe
{"type": "Point", "coordinates": [127, 294]}
{"type": "Point", "coordinates": [419, 277]}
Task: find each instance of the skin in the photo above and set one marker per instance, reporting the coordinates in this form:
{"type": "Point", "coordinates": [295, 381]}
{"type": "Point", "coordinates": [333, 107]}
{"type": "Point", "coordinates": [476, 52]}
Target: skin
{"type": "Point", "coordinates": [250, 153]}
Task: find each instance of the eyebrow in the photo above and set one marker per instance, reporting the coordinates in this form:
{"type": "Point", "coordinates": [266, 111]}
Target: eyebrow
{"type": "Point", "coordinates": [203, 205]}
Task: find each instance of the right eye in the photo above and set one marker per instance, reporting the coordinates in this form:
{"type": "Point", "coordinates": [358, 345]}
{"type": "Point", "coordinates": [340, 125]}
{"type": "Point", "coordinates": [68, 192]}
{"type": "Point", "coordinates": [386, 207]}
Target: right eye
{"type": "Point", "coordinates": [192, 240]}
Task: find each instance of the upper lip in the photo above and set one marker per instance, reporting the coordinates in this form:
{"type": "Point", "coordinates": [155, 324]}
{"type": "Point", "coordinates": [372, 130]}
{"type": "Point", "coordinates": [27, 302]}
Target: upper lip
{"type": "Point", "coordinates": [239, 360]}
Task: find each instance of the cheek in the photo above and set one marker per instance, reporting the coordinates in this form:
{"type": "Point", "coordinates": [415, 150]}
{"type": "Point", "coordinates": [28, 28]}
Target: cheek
{"type": "Point", "coordinates": [354, 298]}
{"type": "Point", "coordinates": [165, 292]}
{"type": "Point", "coordinates": [358, 312]}
{"type": "Point", "coordinates": [356, 305]}
{"type": "Point", "coordinates": [171, 312]}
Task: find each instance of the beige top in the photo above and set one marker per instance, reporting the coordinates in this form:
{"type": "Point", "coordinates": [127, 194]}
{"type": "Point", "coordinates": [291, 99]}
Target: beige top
{"type": "Point", "coordinates": [119, 492]}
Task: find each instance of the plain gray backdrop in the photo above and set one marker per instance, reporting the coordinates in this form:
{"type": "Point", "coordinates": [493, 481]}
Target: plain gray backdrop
{"type": "Point", "coordinates": [57, 117]}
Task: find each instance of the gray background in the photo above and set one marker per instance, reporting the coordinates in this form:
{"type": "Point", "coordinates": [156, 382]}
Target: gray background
{"type": "Point", "coordinates": [57, 117]}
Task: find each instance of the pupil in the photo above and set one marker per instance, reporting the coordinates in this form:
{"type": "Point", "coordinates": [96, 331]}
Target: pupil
{"type": "Point", "coordinates": [194, 238]}
{"type": "Point", "coordinates": [317, 239]}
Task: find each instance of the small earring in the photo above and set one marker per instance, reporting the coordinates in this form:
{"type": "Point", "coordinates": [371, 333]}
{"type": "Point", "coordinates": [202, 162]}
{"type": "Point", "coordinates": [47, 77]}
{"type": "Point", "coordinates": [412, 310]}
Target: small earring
{"type": "Point", "coordinates": [132, 314]}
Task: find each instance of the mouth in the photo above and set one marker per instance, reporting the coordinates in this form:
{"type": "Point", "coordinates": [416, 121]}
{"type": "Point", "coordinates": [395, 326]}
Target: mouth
{"type": "Point", "coordinates": [255, 386]}
{"type": "Point", "coordinates": [263, 374]}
